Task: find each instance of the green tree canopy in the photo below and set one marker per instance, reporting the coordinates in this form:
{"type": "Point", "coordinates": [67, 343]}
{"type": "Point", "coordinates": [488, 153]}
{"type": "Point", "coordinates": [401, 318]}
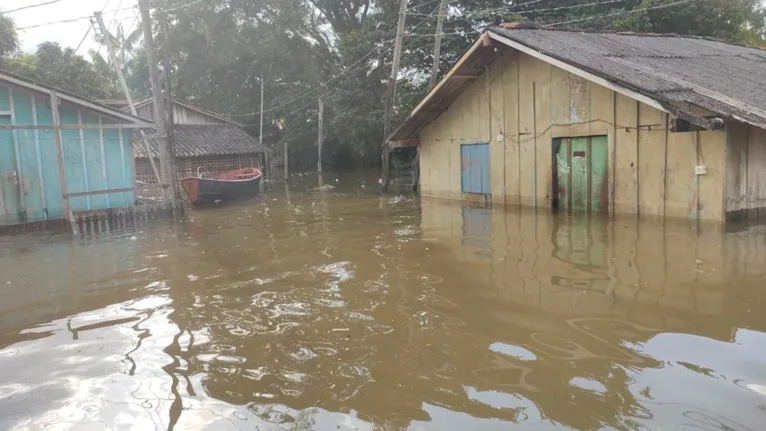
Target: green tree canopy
{"type": "Point", "coordinates": [9, 41]}
{"type": "Point", "coordinates": [64, 69]}
{"type": "Point", "coordinates": [732, 20]}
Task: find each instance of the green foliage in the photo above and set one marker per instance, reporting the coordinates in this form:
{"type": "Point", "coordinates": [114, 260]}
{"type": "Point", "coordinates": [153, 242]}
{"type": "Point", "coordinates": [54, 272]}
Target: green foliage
{"type": "Point", "coordinates": [64, 69]}
{"type": "Point", "coordinates": [9, 41]}
{"type": "Point", "coordinates": [732, 20]}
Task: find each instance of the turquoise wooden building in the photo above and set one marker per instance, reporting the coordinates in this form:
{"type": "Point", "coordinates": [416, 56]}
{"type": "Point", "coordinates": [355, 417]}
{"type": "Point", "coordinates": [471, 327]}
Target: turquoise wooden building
{"type": "Point", "coordinates": [61, 154]}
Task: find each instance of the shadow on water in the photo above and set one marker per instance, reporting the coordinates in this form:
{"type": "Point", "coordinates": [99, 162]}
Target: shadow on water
{"type": "Point", "coordinates": [342, 309]}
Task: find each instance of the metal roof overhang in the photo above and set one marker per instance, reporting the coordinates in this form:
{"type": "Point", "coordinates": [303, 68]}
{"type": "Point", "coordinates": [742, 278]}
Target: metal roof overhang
{"type": "Point", "coordinates": [72, 98]}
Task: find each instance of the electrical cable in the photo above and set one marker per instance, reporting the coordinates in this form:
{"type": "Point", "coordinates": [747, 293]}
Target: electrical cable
{"type": "Point", "coordinates": [665, 6]}
{"type": "Point", "coordinates": [29, 7]}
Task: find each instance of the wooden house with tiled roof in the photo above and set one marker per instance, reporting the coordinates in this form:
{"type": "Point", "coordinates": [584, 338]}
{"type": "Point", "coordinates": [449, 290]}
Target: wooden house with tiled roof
{"type": "Point", "coordinates": [204, 141]}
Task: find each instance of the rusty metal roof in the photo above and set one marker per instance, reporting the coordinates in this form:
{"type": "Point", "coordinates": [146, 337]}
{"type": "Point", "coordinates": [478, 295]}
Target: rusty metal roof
{"type": "Point", "coordinates": [725, 79]}
{"type": "Point", "coordinates": [206, 141]}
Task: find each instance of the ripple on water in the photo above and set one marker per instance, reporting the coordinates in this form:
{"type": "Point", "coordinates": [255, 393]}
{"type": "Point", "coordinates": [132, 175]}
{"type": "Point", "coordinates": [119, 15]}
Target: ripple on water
{"type": "Point", "coordinates": [512, 350]}
{"type": "Point", "coordinates": [588, 384]}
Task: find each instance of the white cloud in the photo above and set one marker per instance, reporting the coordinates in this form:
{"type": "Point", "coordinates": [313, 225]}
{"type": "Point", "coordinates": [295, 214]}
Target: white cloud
{"type": "Point", "coordinates": [66, 34]}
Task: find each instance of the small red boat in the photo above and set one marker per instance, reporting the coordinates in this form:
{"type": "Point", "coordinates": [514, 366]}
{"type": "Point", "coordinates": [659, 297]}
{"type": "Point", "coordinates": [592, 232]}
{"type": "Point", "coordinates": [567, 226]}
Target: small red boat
{"type": "Point", "coordinates": [227, 187]}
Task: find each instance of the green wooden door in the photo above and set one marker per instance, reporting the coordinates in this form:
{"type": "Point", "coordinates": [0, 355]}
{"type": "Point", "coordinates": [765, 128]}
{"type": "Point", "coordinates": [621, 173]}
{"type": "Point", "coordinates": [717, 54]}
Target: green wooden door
{"type": "Point", "coordinates": [599, 185]}
{"type": "Point", "coordinates": [581, 174]}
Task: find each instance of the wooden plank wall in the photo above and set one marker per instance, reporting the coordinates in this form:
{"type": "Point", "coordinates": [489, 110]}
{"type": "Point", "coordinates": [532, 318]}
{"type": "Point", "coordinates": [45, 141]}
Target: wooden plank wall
{"type": "Point", "coordinates": [521, 104]}
{"type": "Point", "coordinates": [745, 171]}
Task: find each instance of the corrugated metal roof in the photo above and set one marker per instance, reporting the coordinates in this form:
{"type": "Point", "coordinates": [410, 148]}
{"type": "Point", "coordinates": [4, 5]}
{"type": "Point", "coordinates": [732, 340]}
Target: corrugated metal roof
{"type": "Point", "coordinates": [75, 98]}
{"type": "Point", "coordinates": [728, 80]}
{"type": "Point", "coordinates": [208, 140]}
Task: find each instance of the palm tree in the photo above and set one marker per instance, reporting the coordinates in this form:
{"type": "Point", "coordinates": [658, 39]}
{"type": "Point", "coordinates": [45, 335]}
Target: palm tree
{"type": "Point", "coordinates": [124, 45]}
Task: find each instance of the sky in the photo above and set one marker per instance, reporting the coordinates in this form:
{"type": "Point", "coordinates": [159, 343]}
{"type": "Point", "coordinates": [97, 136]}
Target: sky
{"type": "Point", "coordinates": [67, 34]}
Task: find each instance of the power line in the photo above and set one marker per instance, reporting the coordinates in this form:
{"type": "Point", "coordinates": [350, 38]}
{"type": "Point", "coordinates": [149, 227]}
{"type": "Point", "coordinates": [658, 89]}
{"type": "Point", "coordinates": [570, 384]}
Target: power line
{"type": "Point", "coordinates": [526, 12]}
{"type": "Point", "coordinates": [318, 88]}
{"type": "Point", "coordinates": [423, 4]}
{"type": "Point", "coordinates": [346, 70]}
{"type": "Point", "coordinates": [79, 45]}
{"type": "Point", "coordinates": [113, 16]}
{"type": "Point", "coordinates": [29, 7]}
{"type": "Point", "coordinates": [70, 20]}
{"type": "Point", "coordinates": [678, 3]}
{"type": "Point", "coordinates": [183, 6]}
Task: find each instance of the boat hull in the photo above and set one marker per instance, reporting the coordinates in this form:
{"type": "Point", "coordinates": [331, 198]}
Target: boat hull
{"type": "Point", "coordinates": [213, 192]}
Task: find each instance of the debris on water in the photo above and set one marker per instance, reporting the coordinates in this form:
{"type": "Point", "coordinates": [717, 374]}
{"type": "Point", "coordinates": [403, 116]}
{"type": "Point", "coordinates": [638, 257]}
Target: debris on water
{"type": "Point", "coordinates": [341, 329]}
{"type": "Point", "coordinates": [133, 238]}
{"type": "Point", "coordinates": [325, 187]}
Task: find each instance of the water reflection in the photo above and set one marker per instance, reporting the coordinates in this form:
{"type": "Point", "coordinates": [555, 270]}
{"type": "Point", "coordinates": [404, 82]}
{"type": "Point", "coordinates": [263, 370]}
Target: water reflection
{"type": "Point", "coordinates": [345, 310]}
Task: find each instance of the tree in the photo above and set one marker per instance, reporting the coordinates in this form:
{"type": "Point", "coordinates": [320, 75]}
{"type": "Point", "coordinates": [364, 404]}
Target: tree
{"type": "Point", "coordinates": [64, 69]}
{"type": "Point", "coordinates": [8, 38]}
{"type": "Point", "coordinates": [730, 20]}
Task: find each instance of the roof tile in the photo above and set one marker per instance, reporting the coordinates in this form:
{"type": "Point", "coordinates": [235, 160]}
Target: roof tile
{"type": "Point", "coordinates": [208, 140]}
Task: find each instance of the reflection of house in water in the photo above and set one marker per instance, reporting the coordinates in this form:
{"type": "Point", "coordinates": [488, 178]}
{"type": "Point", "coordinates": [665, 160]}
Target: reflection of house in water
{"type": "Point", "coordinates": [581, 242]}
{"type": "Point", "coordinates": [563, 304]}
{"type": "Point", "coordinates": [558, 262]}
{"type": "Point", "coordinates": [52, 279]}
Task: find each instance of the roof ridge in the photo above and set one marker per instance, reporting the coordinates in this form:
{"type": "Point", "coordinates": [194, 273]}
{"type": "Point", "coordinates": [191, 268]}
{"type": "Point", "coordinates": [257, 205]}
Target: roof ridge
{"type": "Point", "coordinates": [534, 26]}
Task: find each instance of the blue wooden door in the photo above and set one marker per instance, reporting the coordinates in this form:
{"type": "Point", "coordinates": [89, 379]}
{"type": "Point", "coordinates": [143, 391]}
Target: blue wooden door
{"type": "Point", "coordinates": [474, 168]}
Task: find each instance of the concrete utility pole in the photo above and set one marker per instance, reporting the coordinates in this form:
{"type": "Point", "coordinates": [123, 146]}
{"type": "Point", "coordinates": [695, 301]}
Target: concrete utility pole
{"type": "Point", "coordinates": [125, 89]}
{"type": "Point", "coordinates": [437, 45]}
{"type": "Point", "coordinates": [391, 95]}
{"type": "Point", "coordinates": [320, 138]}
{"type": "Point", "coordinates": [167, 158]}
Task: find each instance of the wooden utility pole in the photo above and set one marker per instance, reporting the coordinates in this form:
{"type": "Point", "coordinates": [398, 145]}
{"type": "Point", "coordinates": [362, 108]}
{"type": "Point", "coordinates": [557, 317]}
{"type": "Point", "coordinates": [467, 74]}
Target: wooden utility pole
{"type": "Point", "coordinates": [431, 83]}
{"type": "Point", "coordinates": [260, 129]}
{"type": "Point", "coordinates": [320, 138]}
{"type": "Point", "coordinates": [287, 164]}
{"type": "Point", "coordinates": [167, 158]}
{"type": "Point", "coordinates": [168, 84]}
{"type": "Point", "coordinates": [118, 68]}
{"type": "Point", "coordinates": [437, 45]}
{"type": "Point", "coordinates": [391, 95]}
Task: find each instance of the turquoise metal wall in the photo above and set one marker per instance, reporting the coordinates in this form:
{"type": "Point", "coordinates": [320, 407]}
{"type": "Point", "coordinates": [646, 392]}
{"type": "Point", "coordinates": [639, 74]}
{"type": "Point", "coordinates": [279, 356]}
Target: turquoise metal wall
{"type": "Point", "coordinates": [29, 175]}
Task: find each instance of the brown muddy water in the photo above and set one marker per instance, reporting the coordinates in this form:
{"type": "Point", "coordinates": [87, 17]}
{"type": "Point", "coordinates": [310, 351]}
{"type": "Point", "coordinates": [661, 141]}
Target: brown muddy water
{"type": "Point", "coordinates": [347, 310]}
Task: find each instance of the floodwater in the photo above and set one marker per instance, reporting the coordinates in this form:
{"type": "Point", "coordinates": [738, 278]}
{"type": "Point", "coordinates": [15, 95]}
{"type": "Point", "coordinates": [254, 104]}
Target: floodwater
{"type": "Point", "coordinates": [343, 309]}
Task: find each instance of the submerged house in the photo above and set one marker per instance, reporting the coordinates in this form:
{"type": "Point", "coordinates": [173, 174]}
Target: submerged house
{"type": "Point", "coordinates": [649, 124]}
{"type": "Point", "coordinates": [204, 142]}
{"type": "Point", "coordinates": [61, 154]}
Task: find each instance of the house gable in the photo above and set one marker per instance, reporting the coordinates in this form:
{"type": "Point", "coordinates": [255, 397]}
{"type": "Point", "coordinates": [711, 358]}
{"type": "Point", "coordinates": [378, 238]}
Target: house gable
{"type": "Point", "coordinates": [186, 114]}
